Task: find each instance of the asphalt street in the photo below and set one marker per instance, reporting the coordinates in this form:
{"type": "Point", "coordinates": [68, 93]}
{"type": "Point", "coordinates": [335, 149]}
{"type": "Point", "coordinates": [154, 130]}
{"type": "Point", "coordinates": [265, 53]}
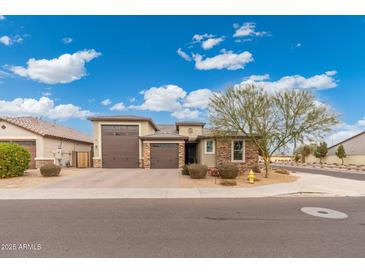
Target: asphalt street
{"type": "Point", "coordinates": [251, 227]}
{"type": "Point", "coordinates": [334, 173]}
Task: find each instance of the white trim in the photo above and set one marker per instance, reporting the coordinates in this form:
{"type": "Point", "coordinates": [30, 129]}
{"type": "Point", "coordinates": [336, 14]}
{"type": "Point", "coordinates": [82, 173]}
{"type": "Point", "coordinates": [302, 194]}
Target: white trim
{"type": "Point", "coordinates": [243, 151]}
{"type": "Point", "coordinates": [163, 142]}
{"type": "Point", "coordinates": [120, 124]}
{"type": "Point", "coordinates": [205, 146]}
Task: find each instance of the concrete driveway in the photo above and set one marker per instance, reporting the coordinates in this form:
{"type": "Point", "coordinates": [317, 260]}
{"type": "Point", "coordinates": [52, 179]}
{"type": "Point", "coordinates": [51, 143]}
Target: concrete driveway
{"type": "Point", "coordinates": [118, 178]}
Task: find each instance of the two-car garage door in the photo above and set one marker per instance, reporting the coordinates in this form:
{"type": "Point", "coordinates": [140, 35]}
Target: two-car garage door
{"type": "Point", "coordinates": [120, 146]}
{"type": "Point", "coordinates": [164, 155]}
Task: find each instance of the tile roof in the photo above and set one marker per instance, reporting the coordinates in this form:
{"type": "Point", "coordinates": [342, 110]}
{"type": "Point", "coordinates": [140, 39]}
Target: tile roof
{"type": "Point", "coordinates": [47, 129]}
{"type": "Point", "coordinates": [164, 136]}
{"type": "Point", "coordinates": [168, 128]}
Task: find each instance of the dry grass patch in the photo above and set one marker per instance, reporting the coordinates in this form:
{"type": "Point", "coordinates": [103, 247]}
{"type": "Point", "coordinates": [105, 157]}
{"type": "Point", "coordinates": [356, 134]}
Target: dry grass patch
{"type": "Point", "coordinates": [33, 177]}
{"type": "Point", "coordinates": [274, 178]}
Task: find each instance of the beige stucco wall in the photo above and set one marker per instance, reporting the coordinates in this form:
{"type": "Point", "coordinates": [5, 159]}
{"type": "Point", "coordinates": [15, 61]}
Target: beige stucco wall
{"type": "Point", "coordinates": [145, 128]}
{"type": "Point", "coordinates": [331, 159]}
{"type": "Point", "coordinates": [355, 146]}
{"type": "Point", "coordinates": [184, 130]}
{"type": "Point", "coordinates": [277, 158]}
{"type": "Point", "coordinates": [204, 158]}
{"type": "Point", "coordinates": [12, 132]}
{"type": "Point", "coordinates": [45, 147]}
{"type": "Point", "coordinates": [67, 147]}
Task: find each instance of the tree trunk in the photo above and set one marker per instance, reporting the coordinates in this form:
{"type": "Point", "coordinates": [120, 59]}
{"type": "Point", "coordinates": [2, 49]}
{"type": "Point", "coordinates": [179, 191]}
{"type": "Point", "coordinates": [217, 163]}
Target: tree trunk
{"type": "Point", "coordinates": [342, 160]}
{"type": "Point", "coordinates": [267, 166]}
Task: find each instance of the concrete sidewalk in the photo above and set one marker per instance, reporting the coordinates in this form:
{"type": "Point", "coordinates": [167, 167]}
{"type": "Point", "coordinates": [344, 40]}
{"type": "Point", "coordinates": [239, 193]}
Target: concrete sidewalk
{"type": "Point", "coordinates": [307, 184]}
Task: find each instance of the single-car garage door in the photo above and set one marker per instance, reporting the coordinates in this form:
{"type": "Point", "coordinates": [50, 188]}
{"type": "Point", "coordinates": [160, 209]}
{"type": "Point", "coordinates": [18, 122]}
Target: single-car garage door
{"type": "Point", "coordinates": [29, 145]}
{"type": "Point", "coordinates": [120, 146]}
{"type": "Point", "coordinates": [164, 156]}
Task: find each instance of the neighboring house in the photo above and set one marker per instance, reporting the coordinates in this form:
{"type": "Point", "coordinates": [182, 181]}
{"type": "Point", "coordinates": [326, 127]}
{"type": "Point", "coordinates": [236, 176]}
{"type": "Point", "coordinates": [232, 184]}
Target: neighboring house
{"type": "Point", "coordinates": [135, 141]}
{"type": "Point", "coordinates": [354, 148]}
{"type": "Point", "coordinates": [47, 142]}
{"type": "Point", "coordinates": [278, 158]}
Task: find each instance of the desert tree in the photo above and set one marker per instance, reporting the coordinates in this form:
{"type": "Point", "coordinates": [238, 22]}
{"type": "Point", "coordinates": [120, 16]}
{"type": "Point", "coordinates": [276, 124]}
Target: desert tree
{"type": "Point", "coordinates": [321, 151]}
{"type": "Point", "coordinates": [304, 151]}
{"type": "Point", "coordinates": [341, 153]}
{"type": "Point", "coordinates": [272, 120]}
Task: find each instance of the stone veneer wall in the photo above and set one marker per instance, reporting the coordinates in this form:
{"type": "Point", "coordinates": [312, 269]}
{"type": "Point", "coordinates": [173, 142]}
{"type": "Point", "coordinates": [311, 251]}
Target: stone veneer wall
{"type": "Point", "coordinates": [40, 163]}
{"type": "Point", "coordinates": [146, 155]}
{"type": "Point", "coordinates": [223, 153]}
{"type": "Point", "coordinates": [97, 163]}
{"type": "Point", "coordinates": [181, 155]}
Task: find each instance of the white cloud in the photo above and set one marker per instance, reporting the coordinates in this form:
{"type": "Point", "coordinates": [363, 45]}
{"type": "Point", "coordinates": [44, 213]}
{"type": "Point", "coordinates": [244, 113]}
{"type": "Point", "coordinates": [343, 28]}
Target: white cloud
{"type": "Point", "coordinates": [258, 77]}
{"type": "Point", "coordinates": [3, 74]}
{"type": "Point", "coordinates": [198, 99]}
{"type": "Point", "coordinates": [2, 17]}
{"type": "Point", "coordinates": [5, 40]}
{"type": "Point", "coordinates": [183, 54]}
{"type": "Point", "coordinates": [247, 29]}
{"type": "Point", "coordinates": [361, 122]}
{"type": "Point", "coordinates": [64, 69]}
{"type": "Point", "coordinates": [211, 42]}
{"type": "Point", "coordinates": [46, 93]}
{"type": "Point", "coordinates": [68, 111]}
{"type": "Point", "coordinates": [243, 40]}
{"type": "Point", "coordinates": [344, 131]}
{"type": "Point", "coordinates": [106, 102]}
{"type": "Point", "coordinates": [200, 37]}
{"type": "Point", "coordinates": [316, 82]}
{"type": "Point", "coordinates": [67, 40]}
{"type": "Point", "coordinates": [185, 114]}
{"type": "Point", "coordinates": [165, 98]}
{"type": "Point", "coordinates": [298, 45]}
{"type": "Point", "coordinates": [225, 60]}
{"type": "Point", "coordinates": [118, 107]}
{"type": "Point", "coordinates": [44, 107]}
{"type": "Point", "coordinates": [8, 41]}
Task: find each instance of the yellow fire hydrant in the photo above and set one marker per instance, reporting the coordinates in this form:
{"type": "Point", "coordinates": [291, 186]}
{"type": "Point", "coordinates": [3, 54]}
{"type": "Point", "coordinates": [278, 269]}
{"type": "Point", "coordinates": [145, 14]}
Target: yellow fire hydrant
{"type": "Point", "coordinates": [251, 177]}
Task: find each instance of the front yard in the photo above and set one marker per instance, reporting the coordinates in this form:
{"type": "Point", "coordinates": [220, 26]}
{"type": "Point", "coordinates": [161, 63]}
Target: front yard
{"type": "Point", "coordinates": [32, 178]}
{"type": "Point", "coordinates": [242, 182]}
{"type": "Point", "coordinates": [131, 178]}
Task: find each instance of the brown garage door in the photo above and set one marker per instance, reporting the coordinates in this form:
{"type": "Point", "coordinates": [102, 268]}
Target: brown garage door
{"type": "Point", "coordinates": [164, 156]}
{"type": "Point", "coordinates": [29, 145]}
{"type": "Point", "coordinates": [120, 146]}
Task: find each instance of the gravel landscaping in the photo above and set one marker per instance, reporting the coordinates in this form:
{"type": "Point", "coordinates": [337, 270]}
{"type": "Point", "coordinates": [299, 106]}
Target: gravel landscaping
{"type": "Point", "coordinates": [32, 177]}
{"type": "Point", "coordinates": [209, 181]}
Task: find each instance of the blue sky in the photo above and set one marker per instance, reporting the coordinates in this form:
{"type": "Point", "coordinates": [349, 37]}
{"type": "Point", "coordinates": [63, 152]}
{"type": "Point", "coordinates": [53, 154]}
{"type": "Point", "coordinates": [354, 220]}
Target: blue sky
{"type": "Point", "coordinates": [166, 67]}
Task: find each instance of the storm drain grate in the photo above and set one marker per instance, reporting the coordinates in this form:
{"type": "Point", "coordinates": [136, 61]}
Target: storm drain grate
{"type": "Point", "coordinates": [324, 212]}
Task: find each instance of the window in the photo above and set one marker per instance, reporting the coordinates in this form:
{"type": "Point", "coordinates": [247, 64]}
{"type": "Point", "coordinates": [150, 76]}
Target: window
{"type": "Point", "coordinates": [190, 130]}
{"type": "Point", "coordinates": [238, 152]}
{"type": "Point", "coordinates": [209, 147]}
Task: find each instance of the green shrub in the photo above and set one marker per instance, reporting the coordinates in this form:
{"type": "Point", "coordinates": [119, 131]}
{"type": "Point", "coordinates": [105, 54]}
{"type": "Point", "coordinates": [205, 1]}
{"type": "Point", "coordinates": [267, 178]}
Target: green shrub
{"type": "Point", "coordinates": [228, 171]}
{"type": "Point", "coordinates": [198, 171]}
{"type": "Point", "coordinates": [50, 170]}
{"type": "Point", "coordinates": [185, 170]}
{"type": "Point", "coordinates": [14, 160]}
